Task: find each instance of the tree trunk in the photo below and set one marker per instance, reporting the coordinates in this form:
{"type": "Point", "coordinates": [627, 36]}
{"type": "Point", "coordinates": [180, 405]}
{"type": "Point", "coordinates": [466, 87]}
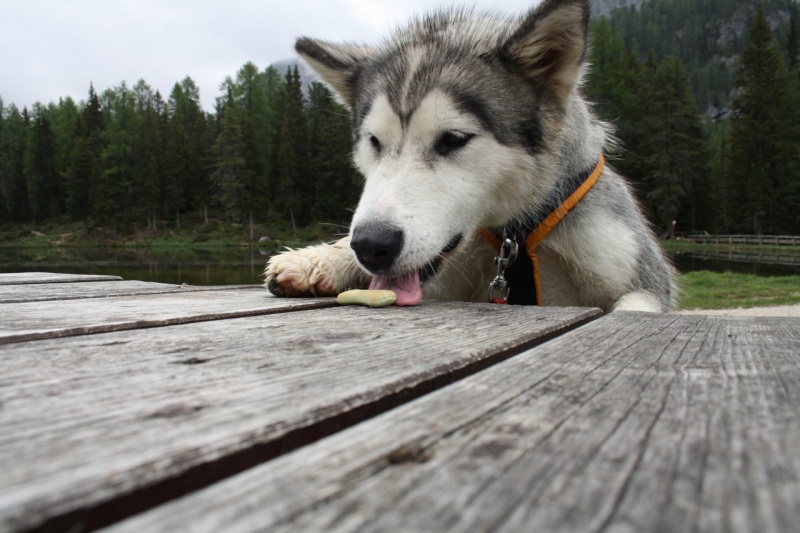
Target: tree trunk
{"type": "Point", "coordinates": [294, 224]}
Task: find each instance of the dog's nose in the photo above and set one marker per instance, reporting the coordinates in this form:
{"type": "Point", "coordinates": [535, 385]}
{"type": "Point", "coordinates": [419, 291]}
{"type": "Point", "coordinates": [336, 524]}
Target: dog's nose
{"type": "Point", "coordinates": [377, 245]}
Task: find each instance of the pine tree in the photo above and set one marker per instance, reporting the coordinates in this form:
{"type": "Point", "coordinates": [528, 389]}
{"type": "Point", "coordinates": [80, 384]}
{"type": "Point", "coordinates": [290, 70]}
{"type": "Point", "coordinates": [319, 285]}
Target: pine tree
{"type": "Point", "coordinates": [186, 162]}
{"type": "Point", "coordinates": [674, 148]}
{"type": "Point", "coordinates": [762, 142]}
{"type": "Point", "coordinates": [64, 118]}
{"type": "Point", "coordinates": [174, 191]}
{"type": "Point", "coordinates": [81, 173]}
{"type": "Point", "coordinates": [5, 213]}
{"type": "Point", "coordinates": [606, 84]}
{"type": "Point", "coordinates": [791, 187]}
{"type": "Point", "coordinates": [274, 89]}
{"type": "Point", "coordinates": [147, 153]}
{"type": "Point", "coordinates": [295, 190]}
{"type": "Point", "coordinates": [792, 49]}
{"type": "Point", "coordinates": [44, 183]}
{"type": "Point", "coordinates": [251, 97]}
{"type": "Point", "coordinates": [85, 161]}
{"type": "Point", "coordinates": [229, 161]}
{"type": "Point", "coordinates": [115, 192]}
{"type": "Point", "coordinates": [14, 143]}
{"type": "Point", "coordinates": [335, 180]}
{"type": "Point", "coordinates": [614, 83]}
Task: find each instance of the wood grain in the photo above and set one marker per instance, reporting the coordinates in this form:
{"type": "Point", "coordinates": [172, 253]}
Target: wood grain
{"type": "Point", "coordinates": [44, 292]}
{"type": "Point", "coordinates": [65, 318]}
{"type": "Point", "coordinates": [634, 422]}
{"type": "Point", "coordinates": [41, 292]}
{"type": "Point", "coordinates": [96, 428]}
{"type": "Point", "coordinates": [22, 278]}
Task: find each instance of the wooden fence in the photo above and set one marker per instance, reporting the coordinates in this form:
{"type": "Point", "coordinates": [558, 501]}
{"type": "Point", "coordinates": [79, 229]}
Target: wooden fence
{"type": "Point", "coordinates": [775, 240]}
{"type": "Point", "coordinates": [738, 257]}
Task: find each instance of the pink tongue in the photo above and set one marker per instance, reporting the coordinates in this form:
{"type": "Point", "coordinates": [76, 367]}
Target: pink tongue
{"type": "Point", "coordinates": [407, 288]}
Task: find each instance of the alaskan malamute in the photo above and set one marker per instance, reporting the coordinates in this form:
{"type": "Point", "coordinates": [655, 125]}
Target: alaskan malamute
{"type": "Point", "coordinates": [476, 145]}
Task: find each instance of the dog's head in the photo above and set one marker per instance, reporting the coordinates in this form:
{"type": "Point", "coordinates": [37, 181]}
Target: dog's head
{"type": "Point", "coordinates": [456, 119]}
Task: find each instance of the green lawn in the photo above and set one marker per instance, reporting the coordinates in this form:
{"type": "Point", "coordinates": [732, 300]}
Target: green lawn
{"type": "Point", "coordinates": [711, 290]}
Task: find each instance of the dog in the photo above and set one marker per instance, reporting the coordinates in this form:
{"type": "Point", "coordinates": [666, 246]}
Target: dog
{"type": "Point", "coordinates": [477, 145]}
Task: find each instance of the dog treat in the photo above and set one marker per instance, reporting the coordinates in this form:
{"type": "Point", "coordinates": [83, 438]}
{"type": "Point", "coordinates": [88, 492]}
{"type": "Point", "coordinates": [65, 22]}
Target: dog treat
{"type": "Point", "coordinates": [370, 298]}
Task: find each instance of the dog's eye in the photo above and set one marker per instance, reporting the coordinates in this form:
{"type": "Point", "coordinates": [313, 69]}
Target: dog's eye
{"type": "Point", "coordinates": [376, 144]}
{"type": "Point", "coordinates": [450, 141]}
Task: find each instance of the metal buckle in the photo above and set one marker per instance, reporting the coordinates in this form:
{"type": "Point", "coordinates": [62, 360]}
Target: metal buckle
{"type": "Point", "coordinates": [498, 288]}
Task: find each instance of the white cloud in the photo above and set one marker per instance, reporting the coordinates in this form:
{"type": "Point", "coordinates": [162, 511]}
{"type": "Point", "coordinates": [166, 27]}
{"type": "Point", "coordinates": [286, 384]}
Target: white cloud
{"type": "Point", "coordinates": [51, 48]}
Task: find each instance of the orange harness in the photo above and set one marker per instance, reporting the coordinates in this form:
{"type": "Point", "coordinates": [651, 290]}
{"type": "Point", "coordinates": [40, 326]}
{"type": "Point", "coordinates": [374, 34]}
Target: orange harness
{"type": "Point", "coordinates": [581, 185]}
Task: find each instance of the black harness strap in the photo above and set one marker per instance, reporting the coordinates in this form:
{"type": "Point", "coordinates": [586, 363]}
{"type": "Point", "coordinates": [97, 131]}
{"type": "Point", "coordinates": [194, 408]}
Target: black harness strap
{"type": "Point", "coordinates": [523, 274]}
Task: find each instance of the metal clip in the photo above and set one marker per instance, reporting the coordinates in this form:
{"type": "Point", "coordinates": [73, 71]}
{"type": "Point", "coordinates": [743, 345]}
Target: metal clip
{"type": "Point", "coordinates": [498, 288]}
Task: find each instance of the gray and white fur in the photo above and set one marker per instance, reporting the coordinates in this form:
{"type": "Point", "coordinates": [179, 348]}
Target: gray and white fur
{"type": "Point", "coordinates": [465, 121]}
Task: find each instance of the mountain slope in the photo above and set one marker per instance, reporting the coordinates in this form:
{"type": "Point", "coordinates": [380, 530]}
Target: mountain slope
{"type": "Point", "coordinates": [601, 8]}
{"type": "Point", "coordinates": [707, 35]}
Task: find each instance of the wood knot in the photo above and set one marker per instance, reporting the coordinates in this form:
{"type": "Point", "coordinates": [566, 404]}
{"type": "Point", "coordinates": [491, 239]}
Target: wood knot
{"type": "Point", "coordinates": [191, 361]}
{"type": "Point", "coordinates": [410, 453]}
{"type": "Point", "coordinates": [174, 411]}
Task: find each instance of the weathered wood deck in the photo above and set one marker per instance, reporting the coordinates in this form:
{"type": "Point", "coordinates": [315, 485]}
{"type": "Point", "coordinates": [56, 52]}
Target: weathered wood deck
{"type": "Point", "coordinates": [152, 407]}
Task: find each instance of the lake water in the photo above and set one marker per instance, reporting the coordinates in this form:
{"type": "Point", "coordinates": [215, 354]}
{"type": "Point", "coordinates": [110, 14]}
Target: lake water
{"type": "Point", "coordinates": [244, 266]}
{"type": "Point", "coordinates": [226, 266]}
{"type": "Point", "coordinates": [747, 263]}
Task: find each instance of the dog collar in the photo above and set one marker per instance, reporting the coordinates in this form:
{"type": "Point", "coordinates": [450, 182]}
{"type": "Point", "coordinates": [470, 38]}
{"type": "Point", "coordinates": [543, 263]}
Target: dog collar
{"type": "Point", "coordinates": [506, 240]}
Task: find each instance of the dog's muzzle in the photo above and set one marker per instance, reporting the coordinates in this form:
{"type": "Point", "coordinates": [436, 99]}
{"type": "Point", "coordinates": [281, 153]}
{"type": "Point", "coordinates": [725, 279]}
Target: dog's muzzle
{"type": "Point", "coordinates": [377, 246]}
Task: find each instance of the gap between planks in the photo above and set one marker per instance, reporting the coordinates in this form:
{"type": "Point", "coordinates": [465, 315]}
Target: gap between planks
{"type": "Point", "coordinates": [633, 423]}
{"type": "Point", "coordinates": [32, 321]}
{"type": "Point", "coordinates": [95, 514]}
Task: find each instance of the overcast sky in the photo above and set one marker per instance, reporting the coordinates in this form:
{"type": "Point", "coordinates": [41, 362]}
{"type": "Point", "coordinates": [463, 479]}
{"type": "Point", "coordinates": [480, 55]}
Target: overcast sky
{"type": "Point", "coordinates": [55, 48]}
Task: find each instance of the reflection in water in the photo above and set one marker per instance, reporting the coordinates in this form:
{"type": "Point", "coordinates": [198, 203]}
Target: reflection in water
{"type": "Point", "coordinates": [746, 263]}
{"type": "Point", "coordinates": [221, 266]}
{"type": "Point", "coordinates": [244, 266]}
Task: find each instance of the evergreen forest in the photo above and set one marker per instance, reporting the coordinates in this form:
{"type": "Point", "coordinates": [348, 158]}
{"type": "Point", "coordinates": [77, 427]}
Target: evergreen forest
{"type": "Point", "coordinates": [705, 99]}
{"type": "Point", "coordinates": [128, 159]}
{"type": "Point", "coordinates": [705, 116]}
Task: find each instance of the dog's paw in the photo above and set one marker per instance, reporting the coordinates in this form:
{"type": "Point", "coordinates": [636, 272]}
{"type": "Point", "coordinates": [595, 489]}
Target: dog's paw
{"type": "Point", "coordinates": [297, 273]}
{"type": "Point", "coordinates": [323, 270]}
{"type": "Point", "coordinates": [639, 301]}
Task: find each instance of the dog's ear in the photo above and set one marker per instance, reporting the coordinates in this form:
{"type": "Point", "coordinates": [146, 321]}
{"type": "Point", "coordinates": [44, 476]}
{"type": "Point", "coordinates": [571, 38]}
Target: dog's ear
{"type": "Point", "coordinates": [549, 44]}
{"type": "Point", "coordinates": [337, 64]}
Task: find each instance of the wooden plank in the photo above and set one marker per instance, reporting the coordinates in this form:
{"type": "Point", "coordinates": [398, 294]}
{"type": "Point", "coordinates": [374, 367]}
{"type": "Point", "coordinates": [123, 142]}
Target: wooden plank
{"type": "Point", "coordinates": [634, 422]}
{"type": "Point", "coordinates": [66, 318]}
{"type": "Point", "coordinates": [42, 292]}
{"type": "Point", "coordinates": [22, 278]}
{"type": "Point", "coordinates": [96, 428]}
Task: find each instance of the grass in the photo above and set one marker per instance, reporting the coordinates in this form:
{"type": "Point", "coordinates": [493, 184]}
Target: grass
{"type": "Point", "coordinates": [727, 290]}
